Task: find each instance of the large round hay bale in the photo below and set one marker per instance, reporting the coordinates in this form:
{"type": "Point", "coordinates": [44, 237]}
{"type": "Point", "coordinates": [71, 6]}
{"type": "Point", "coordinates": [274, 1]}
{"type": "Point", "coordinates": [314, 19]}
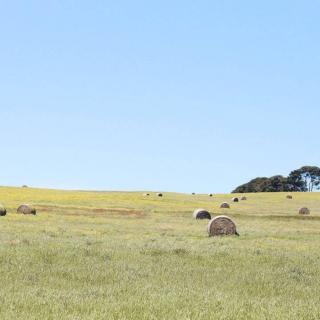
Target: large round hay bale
{"type": "Point", "coordinates": [3, 210]}
{"type": "Point", "coordinates": [243, 198]}
{"type": "Point", "coordinates": [159, 194]}
{"type": "Point", "coordinates": [201, 214]}
{"type": "Point", "coordinates": [304, 211]}
{"type": "Point", "coordinates": [289, 196]}
{"type": "Point", "coordinates": [26, 209]}
{"type": "Point", "coordinates": [222, 225]}
{"type": "Point", "coordinates": [225, 205]}
{"type": "Point", "coordinates": [235, 199]}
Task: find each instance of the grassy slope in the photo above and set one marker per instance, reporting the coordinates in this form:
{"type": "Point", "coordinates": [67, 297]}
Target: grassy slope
{"type": "Point", "coordinates": [90, 255]}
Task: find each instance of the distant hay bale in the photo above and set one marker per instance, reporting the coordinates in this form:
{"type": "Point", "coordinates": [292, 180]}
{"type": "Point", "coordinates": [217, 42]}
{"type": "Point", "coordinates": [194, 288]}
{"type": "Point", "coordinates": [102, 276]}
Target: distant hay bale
{"type": "Point", "coordinates": [222, 225]}
{"type": "Point", "coordinates": [235, 199]}
{"type": "Point", "coordinates": [243, 198]}
{"type": "Point", "coordinates": [201, 214]}
{"type": "Point", "coordinates": [146, 194]}
{"type": "Point", "coordinates": [26, 209]}
{"type": "Point", "coordinates": [159, 194]}
{"type": "Point", "coordinates": [3, 210]}
{"type": "Point", "coordinates": [225, 205]}
{"type": "Point", "coordinates": [304, 211]}
{"type": "Point", "coordinates": [289, 196]}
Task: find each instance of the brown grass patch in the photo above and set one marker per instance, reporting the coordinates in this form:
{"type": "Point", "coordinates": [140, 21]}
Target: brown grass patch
{"type": "Point", "coordinates": [91, 212]}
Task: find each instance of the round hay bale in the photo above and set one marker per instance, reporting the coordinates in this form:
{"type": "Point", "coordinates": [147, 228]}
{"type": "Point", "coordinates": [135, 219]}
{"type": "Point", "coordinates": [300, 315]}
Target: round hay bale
{"type": "Point", "coordinates": [146, 194]}
{"type": "Point", "coordinates": [26, 209]}
{"type": "Point", "coordinates": [159, 194]}
{"type": "Point", "coordinates": [304, 211]}
{"type": "Point", "coordinates": [225, 205]}
{"type": "Point", "coordinates": [243, 198]}
{"type": "Point", "coordinates": [3, 210]}
{"type": "Point", "coordinates": [201, 214]}
{"type": "Point", "coordinates": [289, 196]}
{"type": "Point", "coordinates": [221, 225]}
{"type": "Point", "coordinates": [235, 199]}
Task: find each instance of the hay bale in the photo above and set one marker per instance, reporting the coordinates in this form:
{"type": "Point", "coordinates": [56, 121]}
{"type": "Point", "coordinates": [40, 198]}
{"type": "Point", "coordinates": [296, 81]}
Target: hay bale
{"type": "Point", "coordinates": [243, 198]}
{"type": "Point", "coordinates": [201, 214]}
{"type": "Point", "coordinates": [304, 211]}
{"type": "Point", "coordinates": [235, 199]}
{"type": "Point", "coordinates": [289, 196]}
{"type": "Point", "coordinates": [26, 209]}
{"type": "Point", "coordinates": [222, 225]}
{"type": "Point", "coordinates": [146, 194]}
{"type": "Point", "coordinates": [159, 194]}
{"type": "Point", "coordinates": [225, 205]}
{"type": "Point", "coordinates": [3, 210]}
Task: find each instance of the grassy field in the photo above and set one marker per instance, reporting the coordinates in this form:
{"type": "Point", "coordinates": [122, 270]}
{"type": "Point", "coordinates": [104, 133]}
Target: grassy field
{"type": "Point", "coordinates": [112, 255]}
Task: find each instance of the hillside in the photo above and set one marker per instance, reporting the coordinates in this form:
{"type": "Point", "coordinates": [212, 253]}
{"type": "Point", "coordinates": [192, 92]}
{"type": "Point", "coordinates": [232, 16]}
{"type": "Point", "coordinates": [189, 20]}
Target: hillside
{"type": "Point", "coordinates": [119, 255]}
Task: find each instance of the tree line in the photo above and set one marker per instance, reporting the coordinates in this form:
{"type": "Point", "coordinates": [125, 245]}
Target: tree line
{"type": "Point", "coordinates": [305, 179]}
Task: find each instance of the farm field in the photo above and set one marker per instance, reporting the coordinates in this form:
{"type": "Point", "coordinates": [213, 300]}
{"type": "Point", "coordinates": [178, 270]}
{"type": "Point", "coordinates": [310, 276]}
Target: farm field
{"type": "Point", "coordinates": [119, 255]}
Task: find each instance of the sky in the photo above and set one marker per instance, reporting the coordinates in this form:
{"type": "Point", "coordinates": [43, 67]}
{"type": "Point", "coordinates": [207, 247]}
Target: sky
{"type": "Point", "coordinates": [185, 96]}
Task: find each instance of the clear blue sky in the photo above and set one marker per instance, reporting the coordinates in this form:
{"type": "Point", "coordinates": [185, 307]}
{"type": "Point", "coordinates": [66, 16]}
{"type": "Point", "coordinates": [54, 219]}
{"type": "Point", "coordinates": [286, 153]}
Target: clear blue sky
{"type": "Point", "coordinates": [157, 95]}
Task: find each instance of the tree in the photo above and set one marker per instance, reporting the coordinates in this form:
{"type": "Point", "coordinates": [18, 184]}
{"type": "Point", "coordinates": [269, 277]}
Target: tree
{"type": "Point", "coordinates": [274, 184]}
{"type": "Point", "coordinates": [277, 184]}
{"type": "Point", "coordinates": [305, 179]}
{"type": "Point", "coordinates": [252, 186]}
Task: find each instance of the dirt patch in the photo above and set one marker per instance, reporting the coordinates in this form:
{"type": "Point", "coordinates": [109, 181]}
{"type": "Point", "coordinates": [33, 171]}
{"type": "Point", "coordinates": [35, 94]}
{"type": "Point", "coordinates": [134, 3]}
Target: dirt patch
{"type": "Point", "coordinates": [82, 211]}
{"type": "Point", "coordinates": [100, 210]}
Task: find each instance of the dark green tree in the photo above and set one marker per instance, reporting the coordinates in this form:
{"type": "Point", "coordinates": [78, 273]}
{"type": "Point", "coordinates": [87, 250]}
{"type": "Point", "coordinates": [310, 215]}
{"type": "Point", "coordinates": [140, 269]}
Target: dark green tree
{"type": "Point", "coordinates": [305, 179]}
{"type": "Point", "coordinates": [277, 184]}
{"type": "Point", "coordinates": [274, 184]}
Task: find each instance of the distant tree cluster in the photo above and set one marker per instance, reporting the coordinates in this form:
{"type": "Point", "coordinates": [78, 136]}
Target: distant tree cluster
{"type": "Point", "coordinates": [305, 179]}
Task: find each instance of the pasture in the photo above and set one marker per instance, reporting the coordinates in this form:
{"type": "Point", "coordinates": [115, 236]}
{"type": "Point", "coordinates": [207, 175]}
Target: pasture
{"type": "Point", "coordinates": [120, 255]}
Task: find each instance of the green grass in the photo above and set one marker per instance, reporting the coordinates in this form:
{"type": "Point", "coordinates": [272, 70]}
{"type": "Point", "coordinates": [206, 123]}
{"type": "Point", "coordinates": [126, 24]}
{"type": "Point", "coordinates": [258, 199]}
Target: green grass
{"type": "Point", "coordinates": [111, 255]}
